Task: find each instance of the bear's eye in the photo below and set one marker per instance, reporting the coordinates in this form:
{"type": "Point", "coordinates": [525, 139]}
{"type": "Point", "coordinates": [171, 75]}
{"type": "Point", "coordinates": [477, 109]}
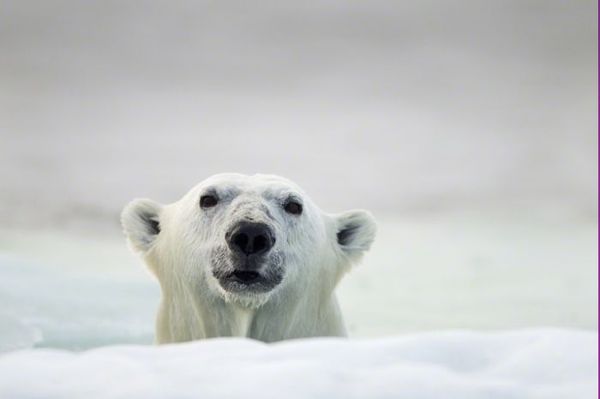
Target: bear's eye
{"type": "Point", "coordinates": [208, 201]}
{"type": "Point", "coordinates": [293, 207]}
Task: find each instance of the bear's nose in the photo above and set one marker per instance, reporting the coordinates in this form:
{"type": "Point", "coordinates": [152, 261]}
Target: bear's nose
{"type": "Point", "coordinates": [251, 238]}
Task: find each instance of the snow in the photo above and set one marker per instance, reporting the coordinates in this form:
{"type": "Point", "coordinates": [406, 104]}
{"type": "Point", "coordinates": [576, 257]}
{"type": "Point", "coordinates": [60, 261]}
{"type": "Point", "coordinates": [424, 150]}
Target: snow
{"type": "Point", "coordinates": [62, 293]}
{"type": "Point", "coordinates": [539, 363]}
{"type": "Point", "coordinates": [69, 302]}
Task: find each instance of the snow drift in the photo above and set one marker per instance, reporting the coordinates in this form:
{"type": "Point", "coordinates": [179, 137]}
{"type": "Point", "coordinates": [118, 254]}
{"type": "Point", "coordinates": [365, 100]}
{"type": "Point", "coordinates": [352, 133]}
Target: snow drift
{"type": "Point", "coordinates": [541, 363]}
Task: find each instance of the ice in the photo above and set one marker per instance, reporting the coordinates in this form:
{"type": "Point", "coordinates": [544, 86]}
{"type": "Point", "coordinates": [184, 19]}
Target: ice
{"type": "Point", "coordinates": [75, 291]}
{"type": "Point", "coordinates": [539, 363]}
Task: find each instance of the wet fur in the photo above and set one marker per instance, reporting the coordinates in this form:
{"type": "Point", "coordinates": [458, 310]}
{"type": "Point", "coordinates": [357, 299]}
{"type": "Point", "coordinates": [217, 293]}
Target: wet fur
{"type": "Point", "coordinates": [187, 254]}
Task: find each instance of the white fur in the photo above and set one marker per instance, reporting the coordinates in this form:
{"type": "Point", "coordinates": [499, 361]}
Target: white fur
{"type": "Point", "coordinates": [195, 306]}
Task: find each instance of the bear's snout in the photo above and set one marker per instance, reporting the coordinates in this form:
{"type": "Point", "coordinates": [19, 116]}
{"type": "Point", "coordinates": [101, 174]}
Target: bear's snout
{"type": "Point", "coordinates": [250, 240]}
{"type": "Point", "coordinates": [252, 266]}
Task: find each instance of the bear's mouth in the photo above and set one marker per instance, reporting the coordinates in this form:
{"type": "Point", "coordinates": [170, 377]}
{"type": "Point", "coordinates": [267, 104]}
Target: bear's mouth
{"type": "Point", "coordinates": [249, 276]}
{"type": "Point", "coordinates": [249, 281]}
{"type": "Point", "coordinates": [244, 276]}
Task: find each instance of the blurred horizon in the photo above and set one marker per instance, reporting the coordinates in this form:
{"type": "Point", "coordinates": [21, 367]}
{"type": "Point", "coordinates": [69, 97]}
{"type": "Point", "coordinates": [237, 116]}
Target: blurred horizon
{"type": "Point", "coordinates": [399, 107]}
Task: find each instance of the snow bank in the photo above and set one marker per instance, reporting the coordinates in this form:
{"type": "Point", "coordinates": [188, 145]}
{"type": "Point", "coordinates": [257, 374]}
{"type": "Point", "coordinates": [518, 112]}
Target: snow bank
{"type": "Point", "coordinates": [525, 364]}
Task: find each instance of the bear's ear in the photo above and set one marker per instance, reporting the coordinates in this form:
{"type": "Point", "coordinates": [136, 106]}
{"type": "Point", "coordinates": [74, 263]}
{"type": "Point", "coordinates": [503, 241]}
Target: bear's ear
{"type": "Point", "coordinates": [141, 223]}
{"type": "Point", "coordinates": [355, 232]}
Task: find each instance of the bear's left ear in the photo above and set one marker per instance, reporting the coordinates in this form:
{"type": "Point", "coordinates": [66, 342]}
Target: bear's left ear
{"type": "Point", "coordinates": [355, 232]}
{"type": "Point", "coordinates": [141, 223]}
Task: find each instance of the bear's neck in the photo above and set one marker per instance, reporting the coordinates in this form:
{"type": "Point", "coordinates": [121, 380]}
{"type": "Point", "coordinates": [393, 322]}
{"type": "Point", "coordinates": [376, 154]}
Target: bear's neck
{"type": "Point", "coordinates": [186, 316]}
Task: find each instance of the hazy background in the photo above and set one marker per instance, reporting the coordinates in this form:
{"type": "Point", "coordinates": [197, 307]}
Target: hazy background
{"type": "Point", "coordinates": [467, 127]}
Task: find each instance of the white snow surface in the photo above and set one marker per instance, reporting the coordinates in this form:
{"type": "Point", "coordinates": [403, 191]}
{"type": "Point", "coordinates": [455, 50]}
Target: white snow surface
{"type": "Point", "coordinates": [538, 363]}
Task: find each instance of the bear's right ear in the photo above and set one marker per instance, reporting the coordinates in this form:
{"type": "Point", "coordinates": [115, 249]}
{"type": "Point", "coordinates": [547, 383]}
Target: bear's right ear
{"type": "Point", "coordinates": [141, 223]}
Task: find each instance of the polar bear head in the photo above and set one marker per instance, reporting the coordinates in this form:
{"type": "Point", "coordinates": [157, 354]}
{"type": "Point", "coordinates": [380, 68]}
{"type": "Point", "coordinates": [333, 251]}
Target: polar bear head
{"type": "Point", "coordinates": [245, 239]}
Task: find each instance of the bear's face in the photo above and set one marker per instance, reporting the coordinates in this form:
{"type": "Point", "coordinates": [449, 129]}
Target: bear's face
{"type": "Point", "coordinates": [244, 238]}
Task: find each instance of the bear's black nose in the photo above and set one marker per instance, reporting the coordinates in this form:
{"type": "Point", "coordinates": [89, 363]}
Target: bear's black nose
{"type": "Point", "coordinates": [250, 238]}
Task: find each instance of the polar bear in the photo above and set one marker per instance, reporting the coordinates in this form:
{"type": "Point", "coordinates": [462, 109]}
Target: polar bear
{"type": "Point", "coordinates": [246, 256]}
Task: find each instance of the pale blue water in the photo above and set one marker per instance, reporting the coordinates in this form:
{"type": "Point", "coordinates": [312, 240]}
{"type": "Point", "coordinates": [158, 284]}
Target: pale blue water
{"type": "Point", "coordinates": [44, 306]}
{"type": "Point", "coordinates": [61, 289]}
